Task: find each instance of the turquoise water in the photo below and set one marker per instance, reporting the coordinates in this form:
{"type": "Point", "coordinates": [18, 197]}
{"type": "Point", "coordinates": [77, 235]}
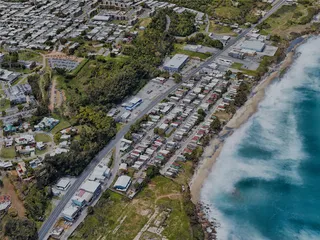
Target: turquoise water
{"type": "Point", "coordinates": [266, 181]}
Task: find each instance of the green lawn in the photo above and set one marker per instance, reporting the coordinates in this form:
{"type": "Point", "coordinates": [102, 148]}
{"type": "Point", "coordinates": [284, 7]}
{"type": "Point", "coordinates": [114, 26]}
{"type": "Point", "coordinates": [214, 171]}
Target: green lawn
{"type": "Point", "coordinates": [62, 125]}
{"type": "Point", "coordinates": [144, 22]}
{"type": "Point", "coordinates": [228, 12]}
{"type": "Point", "coordinates": [9, 152]}
{"type": "Point", "coordinates": [119, 126]}
{"type": "Point", "coordinates": [4, 104]}
{"type": "Point", "coordinates": [236, 65]}
{"type": "Point", "coordinates": [178, 48]}
{"type": "Point", "coordinates": [218, 29]}
{"type": "Point", "coordinates": [42, 137]}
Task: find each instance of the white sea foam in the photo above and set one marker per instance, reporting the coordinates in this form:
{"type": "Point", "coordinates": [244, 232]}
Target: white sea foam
{"type": "Point", "coordinates": [277, 133]}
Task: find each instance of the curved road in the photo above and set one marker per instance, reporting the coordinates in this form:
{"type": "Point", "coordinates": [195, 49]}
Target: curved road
{"type": "Point", "coordinates": [55, 214]}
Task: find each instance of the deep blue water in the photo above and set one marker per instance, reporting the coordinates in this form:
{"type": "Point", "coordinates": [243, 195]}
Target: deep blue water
{"type": "Point", "coordinates": [266, 181]}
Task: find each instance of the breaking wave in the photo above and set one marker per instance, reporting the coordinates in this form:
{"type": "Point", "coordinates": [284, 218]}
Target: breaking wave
{"type": "Point", "coordinates": [259, 168]}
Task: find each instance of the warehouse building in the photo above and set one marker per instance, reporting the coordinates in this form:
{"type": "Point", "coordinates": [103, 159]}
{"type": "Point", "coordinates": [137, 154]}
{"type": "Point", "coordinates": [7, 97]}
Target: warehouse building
{"type": "Point", "coordinates": [123, 183]}
{"type": "Point", "coordinates": [18, 94]}
{"type": "Point", "coordinates": [176, 63]}
{"type": "Point", "coordinates": [256, 46]}
{"type": "Point", "coordinates": [134, 103]}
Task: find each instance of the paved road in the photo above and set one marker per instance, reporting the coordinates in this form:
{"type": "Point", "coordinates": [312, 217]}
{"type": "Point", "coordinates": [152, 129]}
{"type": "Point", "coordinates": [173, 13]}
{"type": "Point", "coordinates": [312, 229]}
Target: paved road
{"type": "Point", "coordinates": [48, 224]}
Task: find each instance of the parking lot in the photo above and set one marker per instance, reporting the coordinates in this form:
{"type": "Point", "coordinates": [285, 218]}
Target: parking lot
{"type": "Point", "coordinates": [149, 92]}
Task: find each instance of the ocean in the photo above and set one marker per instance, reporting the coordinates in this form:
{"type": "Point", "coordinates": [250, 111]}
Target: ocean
{"type": "Point", "coordinates": [266, 182]}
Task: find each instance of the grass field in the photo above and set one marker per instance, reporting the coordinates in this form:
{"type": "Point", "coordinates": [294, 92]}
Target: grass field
{"type": "Point", "coordinates": [145, 22]}
{"type": "Point", "coordinates": [8, 152]}
{"type": "Point", "coordinates": [286, 20]}
{"type": "Point", "coordinates": [218, 29]}
{"type": "Point", "coordinates": [178, 48]}
{"type": "Point", "coordinates": [30, 56]}
{"type": "Point", "coordinates": [42, 137]}
{"type": "Point", "coordinates": [119, 218]}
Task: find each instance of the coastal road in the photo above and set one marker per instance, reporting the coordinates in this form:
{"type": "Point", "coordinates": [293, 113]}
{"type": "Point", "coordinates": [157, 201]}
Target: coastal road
{"type": "Point", "coordinates": [55, 214]}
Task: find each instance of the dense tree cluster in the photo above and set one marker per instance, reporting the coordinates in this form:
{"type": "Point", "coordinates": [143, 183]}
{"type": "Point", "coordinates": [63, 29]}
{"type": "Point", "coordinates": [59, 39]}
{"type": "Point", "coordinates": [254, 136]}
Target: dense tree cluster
{"type": "Point", "coordinates": [241, 96]}
{"type": "Point", "coordinates": [110, 81]}
{"type": "Point", "coordinates": [36, 202]}
{"type": "Point", "coordinates": [182, 24]}
{"type": "Point", "coordinates": [21, 229]}
{"type": "Point", "coordinates": [40, 96]}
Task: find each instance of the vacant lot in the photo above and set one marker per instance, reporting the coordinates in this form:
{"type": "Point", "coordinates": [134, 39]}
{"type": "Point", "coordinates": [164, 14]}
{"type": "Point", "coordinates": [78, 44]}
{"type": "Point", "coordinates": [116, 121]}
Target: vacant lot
{"type": "Point", "coordinates": [42, 137]}
{"type": "Point", "coordinates": [9, 152]}
{"type": "Point", "coordinates": [286, 20]}
{"type": "Point", "coordinates": [9, 189]}
{"type": "Point", "coordinates": [118, 218]}
{"type": "Point", "coordinates": [178, 48]}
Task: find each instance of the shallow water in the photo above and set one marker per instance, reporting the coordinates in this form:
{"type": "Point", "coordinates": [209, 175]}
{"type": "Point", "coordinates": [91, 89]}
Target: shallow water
{"type": "Point", "coordinates": [266, 181]}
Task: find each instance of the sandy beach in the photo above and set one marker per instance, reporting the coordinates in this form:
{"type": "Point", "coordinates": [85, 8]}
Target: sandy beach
{"type": "Point", "coordinates": [211, 153]}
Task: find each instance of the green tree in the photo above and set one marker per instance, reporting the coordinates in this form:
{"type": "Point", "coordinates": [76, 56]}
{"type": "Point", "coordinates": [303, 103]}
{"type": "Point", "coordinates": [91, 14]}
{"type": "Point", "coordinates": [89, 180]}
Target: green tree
{"type": "Point", "coordinates": [215, 125]}
{"type": "Point", "coordinates": [20, 107]}
{"type": "Point", "coordinates": [177, 77]}
{"type": "Point", "coordinates": [21, 229]}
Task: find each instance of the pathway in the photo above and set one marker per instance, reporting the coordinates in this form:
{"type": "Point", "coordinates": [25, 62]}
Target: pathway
{"type": "Point", "coordinates": [168, 23]}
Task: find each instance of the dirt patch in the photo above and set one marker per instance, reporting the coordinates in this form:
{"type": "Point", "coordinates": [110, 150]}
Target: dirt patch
{"type": "Point", "coordinates": [171, 196]}
{"type": "Point", "coordinates": [16, 203]}
{"type": "Point", "coordinates": [145, 212]}
{"type": "Point", "coordinates": [57, 96]}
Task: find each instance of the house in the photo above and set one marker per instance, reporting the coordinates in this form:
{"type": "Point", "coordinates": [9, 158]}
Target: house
{"type": "Point", "coordinates": [46, 123]}
{"type": "Point", "coordinates": [35, 163]}
{"type": "Point", "coordinates": [122, 184]}
{"type": "Point", "coordinates": [5, 203]}
{"type": "Point", "coordinates": [70, 213]}
{"type": "Point", "coordinates": [8, 142]}
{"type": "Point", "coordinates": [41, 146]}
{"type": "Point", "coordinates": [82, 198]}
{"type": "Point", "coordinates": [100, 173]}
{"type": "Point", "coordinates": [25, 140]}
{"type": "Point", "coordinates": [5, 165]}
{"type": "Point", "coordinates": [124, 167]}
{"type": "Point", "coordinates": [56, 233]}
{"type": "Point", "coordinates": [21, 169]}
{"type": "Point", "coordinates": [63, 184]}
{"type": "Point", "coordinates": [91, 187]}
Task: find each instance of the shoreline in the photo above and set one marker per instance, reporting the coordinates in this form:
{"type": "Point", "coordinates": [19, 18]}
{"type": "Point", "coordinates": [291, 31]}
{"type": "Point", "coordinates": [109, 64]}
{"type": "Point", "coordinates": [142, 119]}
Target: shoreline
{"type": "Point", "coordinates": [212, 152]}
